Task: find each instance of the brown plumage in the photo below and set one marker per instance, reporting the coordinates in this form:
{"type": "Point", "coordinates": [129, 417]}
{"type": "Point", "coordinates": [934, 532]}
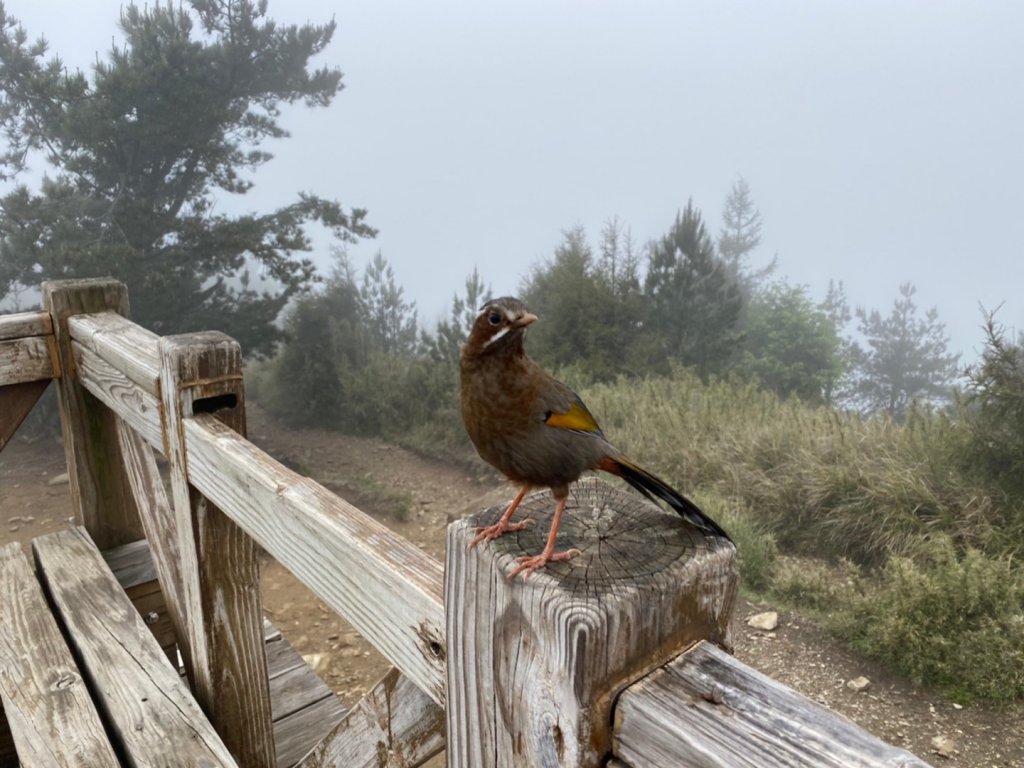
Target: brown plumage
{"type": "Point", "coordinates": [537, 431]}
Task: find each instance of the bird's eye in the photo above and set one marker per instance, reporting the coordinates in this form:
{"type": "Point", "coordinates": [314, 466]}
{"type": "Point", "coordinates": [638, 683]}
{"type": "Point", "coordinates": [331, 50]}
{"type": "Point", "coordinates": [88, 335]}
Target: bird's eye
{"type": "Point", "coordinates": [494, 318]}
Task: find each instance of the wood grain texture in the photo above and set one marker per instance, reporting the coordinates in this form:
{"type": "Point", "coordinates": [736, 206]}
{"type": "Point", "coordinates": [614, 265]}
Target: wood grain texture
{"type": "Point", "coordinates": [122, 344]}
{"type": "Point", "coordinates": [305, 709]}
{"type": "Point", "coordinates": [535, 665]}
{"type": "Point", "coordinates": [24, 360]}
{"type": "Point", "coordinates": [52, 718]}
{"type": "Point", "coordinates": [386, 587]}
{"type": "Point", "coordinates": [294, 734]}
{"type": "Point", "coordinates": [157, 522]}
{"type": "Point", "coordinates": [146, 704]}
{"type": "Point", "coordinates": [707, 709]}
{"type": "Point", "coordinates": [20, 324]}
{"type": "Point", "coordinates": [120, 394]}
{"type": "Point", "coordinates": [16, 402]}
{"type": "Point", "coordinates": [218, 569]}
{"type": "Point", "coordinates": [99, 489]}
{"type": "Point", "coordinates": [308, 709]}
{"type": "Point", "coordinates": [395, 725]}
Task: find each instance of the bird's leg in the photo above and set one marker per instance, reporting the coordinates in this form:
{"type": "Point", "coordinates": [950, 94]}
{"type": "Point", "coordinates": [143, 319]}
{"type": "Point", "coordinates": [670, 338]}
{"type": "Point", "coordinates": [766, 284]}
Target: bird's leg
{"type": "Point", "coordinates": [527, 564]}
{"type": "Point", "coordinates": [503, 526]}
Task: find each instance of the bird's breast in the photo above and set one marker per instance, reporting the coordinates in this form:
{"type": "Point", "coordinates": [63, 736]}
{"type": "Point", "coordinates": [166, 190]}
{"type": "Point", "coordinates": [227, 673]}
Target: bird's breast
{"type": "Point", "coordinates": [503, 412]}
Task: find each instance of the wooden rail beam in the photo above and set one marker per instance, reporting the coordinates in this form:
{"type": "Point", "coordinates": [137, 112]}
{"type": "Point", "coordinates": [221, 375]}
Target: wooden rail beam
{"type": "Point", "coordinates": [27, 351]}
{"type": "Point", "coordinates": [384, 586]}
{"type": "Point", "coordinates": [351, 561]}
{"type": "Point", "coordinates": [706, 708]}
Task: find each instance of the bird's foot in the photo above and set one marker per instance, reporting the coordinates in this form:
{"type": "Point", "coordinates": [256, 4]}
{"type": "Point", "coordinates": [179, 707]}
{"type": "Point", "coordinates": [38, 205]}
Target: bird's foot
{"type": "Point", "coordinates": [492, 532]}
{"type": "Point", "coordinates": [527, 564]}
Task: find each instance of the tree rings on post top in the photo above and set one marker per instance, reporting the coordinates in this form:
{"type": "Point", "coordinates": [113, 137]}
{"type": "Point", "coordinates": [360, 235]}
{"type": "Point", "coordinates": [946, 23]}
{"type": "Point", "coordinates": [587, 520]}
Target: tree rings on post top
{"type": "Point", "coordinates": [623, 538]}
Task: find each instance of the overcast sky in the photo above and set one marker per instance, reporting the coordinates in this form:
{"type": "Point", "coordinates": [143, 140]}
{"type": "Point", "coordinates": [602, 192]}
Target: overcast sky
{"type": "Point", "coordinates": [881, 140]}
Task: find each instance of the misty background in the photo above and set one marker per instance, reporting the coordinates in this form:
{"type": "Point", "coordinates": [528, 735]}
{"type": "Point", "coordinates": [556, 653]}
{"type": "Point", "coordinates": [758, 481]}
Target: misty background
{"type": "Point", "coordinates": [880, 141]}
{"type": "Point", "coordinates": [590, 157]}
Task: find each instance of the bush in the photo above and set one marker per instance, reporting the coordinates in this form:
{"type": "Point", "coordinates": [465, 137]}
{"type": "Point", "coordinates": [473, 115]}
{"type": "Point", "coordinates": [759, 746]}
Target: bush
{"type": "Point", "coordinates": [947, 619]}
{"type": "Point", "coordinates": [812, 585]}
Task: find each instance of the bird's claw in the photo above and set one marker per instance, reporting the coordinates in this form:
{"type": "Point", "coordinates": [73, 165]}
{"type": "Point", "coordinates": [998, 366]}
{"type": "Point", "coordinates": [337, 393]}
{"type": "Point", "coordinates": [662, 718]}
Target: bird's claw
{"type": "Point", "coordinates": [527, 564]}
{"type": "Point", "coordinates": [492, 532]}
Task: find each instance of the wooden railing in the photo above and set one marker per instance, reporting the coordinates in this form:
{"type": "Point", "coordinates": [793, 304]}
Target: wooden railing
{"type": "Point", "coordinates": [576, 666]}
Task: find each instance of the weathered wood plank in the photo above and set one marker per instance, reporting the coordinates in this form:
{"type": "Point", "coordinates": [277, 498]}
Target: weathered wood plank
{"type": "Point", "coordinates": [534, 666]}
{"type": "Point", "coordinates": [386, 587]}
{"type": "Point", "coordinates": [395, 725]}
{"type": "Point", "coordinates": [304, 719]}
{"type": "Point", "coordinates": [120, 394]}
{"type": "Point", "coordinates": [216, 566]}
{"type": "Point", "coordinates": [158, 522]}
{"type": "Point", "coordinates": [147, 705]}
{"type": "Point", "coordinates": [20, 324]}
{"type": "Point", "coordinates": [122, 344]}
{"type": "Point", "coordinates": [24, 360]}
{"type": "Point", "coordinates": [131, 563]}
{"type": "Point", "coordinates": [16, 402]}
{"type": "Point", "coordinates": [52, 718]}
{"type": "Point", "coordinates": [347, 558]}
{"type": "Point", "coordinates": [708, 709]}
{"type": "Point", "coordinates": [305, 709]}
{"type": "Point", "coordinates": [99, 489]}
{"type": "Point", "coordinates": [294, 734]}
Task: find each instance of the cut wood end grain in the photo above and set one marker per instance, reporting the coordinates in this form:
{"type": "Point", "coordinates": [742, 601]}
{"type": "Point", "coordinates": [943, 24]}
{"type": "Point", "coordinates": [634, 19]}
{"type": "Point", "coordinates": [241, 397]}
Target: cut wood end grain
{"type": "Point", "coordinates": [623, 538]}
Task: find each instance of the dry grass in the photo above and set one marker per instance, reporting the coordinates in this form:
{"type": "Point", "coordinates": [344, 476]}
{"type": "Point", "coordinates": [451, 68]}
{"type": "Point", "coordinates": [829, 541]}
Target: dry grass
{"type": "Point", "coordinates": [918, 556]}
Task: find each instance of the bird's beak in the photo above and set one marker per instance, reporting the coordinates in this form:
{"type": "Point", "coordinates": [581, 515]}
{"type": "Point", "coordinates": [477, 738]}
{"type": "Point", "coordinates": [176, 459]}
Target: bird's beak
{"type": "Point", "coordinates": [525, 319]}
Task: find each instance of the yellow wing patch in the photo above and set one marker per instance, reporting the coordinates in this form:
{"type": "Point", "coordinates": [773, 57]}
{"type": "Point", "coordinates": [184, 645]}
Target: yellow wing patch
{"type": "Point", "coordinates": [577, 418]}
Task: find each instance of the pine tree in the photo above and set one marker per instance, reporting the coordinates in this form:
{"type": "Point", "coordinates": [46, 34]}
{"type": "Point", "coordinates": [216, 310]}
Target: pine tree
{"type": "Point", "coordinates": [791, 346]}
{"type": "Point", "coordinates": [391, 320]}
{"type": "Point", "coordinates": [906, 358]}
{"type": "Point", "coordinates": [739, 237]}
{"type": "Point", "coordinates": [445, 343]}
{"type": "Point", "coordinates": [139, 152]}
{"type": "Point", "coordinates": [694, 301]}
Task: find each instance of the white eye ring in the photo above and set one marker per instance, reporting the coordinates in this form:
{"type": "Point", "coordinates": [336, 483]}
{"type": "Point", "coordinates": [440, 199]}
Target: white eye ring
{"type": "Point", "coordinates": [494, 318]}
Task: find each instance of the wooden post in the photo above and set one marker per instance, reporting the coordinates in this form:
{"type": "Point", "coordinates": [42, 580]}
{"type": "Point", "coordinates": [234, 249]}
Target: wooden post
{"type": "Point", "coordinates": [534, 666]}
{"type": "Point", "coordinates": [99, 488]}
{"type": "Point", "coordinates": [202, 373]}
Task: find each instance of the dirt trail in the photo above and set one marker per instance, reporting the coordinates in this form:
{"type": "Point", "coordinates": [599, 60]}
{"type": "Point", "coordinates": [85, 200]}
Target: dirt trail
{"type": "Point", "coordinates": [390, 483]}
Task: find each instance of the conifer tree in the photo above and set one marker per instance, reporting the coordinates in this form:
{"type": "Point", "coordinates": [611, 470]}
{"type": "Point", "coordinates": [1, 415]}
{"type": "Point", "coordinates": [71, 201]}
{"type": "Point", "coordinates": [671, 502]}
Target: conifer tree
{"type": "Point", "coordinates": [139, 151]}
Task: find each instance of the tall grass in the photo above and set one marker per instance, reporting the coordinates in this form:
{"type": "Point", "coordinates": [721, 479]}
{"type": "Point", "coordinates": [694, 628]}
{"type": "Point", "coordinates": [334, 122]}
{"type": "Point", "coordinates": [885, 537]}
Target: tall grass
{"type": "Point", "coordinates": [823, 482]}
{"type": "Point", "coordinates": [926, 574]}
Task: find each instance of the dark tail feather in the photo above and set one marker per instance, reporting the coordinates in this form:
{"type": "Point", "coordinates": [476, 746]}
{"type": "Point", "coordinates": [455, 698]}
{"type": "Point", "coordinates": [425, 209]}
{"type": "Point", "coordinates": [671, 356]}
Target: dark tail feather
{"type": "Point", "coordinates": [655, 489]}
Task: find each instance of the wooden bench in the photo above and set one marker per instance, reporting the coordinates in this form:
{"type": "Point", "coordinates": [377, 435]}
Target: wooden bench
{"type": "Point", "coordinates": [50, 714]}
{"type": "Point", "coordinates": [110, 692]}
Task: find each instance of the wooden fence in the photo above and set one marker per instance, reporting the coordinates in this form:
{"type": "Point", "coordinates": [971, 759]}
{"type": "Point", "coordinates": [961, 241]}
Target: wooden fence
{"type": "Point", "coordinates": [613, 659]}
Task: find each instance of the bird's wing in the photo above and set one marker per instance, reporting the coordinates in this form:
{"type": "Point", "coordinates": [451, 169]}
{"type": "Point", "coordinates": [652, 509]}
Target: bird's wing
{"type": "Point", "coordinates": [565, 410]}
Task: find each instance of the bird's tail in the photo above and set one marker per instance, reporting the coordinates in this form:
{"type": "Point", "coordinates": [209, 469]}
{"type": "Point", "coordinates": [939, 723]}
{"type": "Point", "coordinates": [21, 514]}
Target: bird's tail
{"type": "Point", "coordinates": [654, 488]}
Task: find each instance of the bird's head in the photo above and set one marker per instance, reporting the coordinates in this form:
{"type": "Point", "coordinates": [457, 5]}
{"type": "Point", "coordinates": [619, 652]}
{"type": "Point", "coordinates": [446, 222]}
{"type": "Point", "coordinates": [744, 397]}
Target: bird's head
{"type": "Point", "coordinates": [500, 327]}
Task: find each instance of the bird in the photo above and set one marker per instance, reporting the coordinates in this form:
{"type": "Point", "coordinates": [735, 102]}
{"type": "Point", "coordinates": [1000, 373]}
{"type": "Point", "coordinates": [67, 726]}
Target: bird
{"type": "Point", "coordinates": [538, 432]}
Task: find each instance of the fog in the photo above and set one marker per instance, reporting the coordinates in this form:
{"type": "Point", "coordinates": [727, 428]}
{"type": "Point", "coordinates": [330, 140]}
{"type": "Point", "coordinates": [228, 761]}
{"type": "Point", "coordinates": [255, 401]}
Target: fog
{"type": "Point", "coordinates": [881, 140]}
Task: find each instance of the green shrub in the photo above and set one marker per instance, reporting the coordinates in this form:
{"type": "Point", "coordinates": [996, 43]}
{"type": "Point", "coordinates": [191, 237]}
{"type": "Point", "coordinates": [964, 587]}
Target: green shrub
{"type": "Point", "coordinates": [815, 586]}
{"type": "Point", "coordinates": [945, 618]}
